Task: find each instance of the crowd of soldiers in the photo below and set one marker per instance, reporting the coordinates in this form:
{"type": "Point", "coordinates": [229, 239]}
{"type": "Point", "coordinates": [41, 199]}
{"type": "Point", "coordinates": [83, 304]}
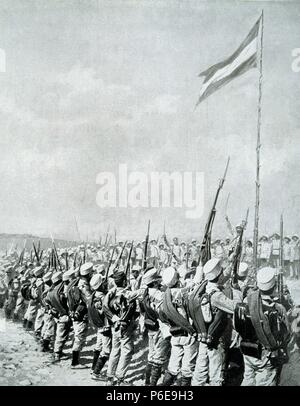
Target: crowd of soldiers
{"type": "Point", "coordinates": [203, 324]}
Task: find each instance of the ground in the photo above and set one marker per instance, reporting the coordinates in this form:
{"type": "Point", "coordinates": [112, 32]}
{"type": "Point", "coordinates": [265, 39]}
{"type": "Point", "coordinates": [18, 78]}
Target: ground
{"type": "Point", "coordinates": [22, 362]}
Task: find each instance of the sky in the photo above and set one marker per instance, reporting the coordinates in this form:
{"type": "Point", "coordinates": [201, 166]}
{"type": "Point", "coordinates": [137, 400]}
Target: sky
{"type": "Point", "coordinates": [90, 85]}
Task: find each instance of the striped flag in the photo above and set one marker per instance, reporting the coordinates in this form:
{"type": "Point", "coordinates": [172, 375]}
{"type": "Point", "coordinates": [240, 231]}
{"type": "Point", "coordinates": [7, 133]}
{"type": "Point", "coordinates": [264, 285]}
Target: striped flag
{"type": "Point", "coordinates": [244, 58]}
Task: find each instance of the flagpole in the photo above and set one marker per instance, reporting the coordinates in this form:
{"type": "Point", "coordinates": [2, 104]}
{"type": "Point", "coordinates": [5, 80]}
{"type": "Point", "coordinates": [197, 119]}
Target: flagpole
{"type": "Point", "coordinates": [258, 145]}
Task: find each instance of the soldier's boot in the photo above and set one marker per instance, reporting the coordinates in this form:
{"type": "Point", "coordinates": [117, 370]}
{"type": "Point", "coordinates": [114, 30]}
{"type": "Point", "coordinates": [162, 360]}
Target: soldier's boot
{"type": "Point", "coordinates": [110, 382]}
{"type": "Point", "coordinates": [155, 375]}
{"type": "Point", "coordinates": [45, 345]}
{"type": "Point", "coordinates": [75, 359]}
{"type": "Point", "coordinates": [24, 323]}
{"type": "Point", "coordinates": [29, 325]}
{"type": "Point", "coordinates": [57, 357]}
{"type": "Point", "coordinates": [98, 367]}
{"type": "Point", "coordinates": [186, 381]}
{"type": "Point", "coordinates": [123, 382]}
{"type": "Point", "coordinates": [148, 372]}
{"type": "Point", "coordinates": [15, 317]}
{"type": "Point", "coordinates": [95, 359]}
{"type": "Point", "coordinates": [169, 379]}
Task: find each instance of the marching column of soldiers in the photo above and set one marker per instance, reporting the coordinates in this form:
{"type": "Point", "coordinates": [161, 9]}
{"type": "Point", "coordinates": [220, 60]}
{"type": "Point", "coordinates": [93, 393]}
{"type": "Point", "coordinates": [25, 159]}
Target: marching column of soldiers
{"type": "Point", "coordinates": [217, 321]}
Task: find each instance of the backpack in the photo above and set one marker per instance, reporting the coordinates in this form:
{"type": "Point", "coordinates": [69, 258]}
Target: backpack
{"type": "Point", "coordinates": [179, 324]}
{"type": "Point", "coordinates": [73, 295]}
{"type": "Point", "coordinates": [25, 291]}
{"type": "Point", "coordinates": [56, 299]}
{"type": "Point", "coordinates": [151, 315]}
{"type": "Point", "coordinates": [97, 319]}
{"type": "Point", "coordinates": [261, 326]}
{"type": "Point", "coordinates": [210, 323]}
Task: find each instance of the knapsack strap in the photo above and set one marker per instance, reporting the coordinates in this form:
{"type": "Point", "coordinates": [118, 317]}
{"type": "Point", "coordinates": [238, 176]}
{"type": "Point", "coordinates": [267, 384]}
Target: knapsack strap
{"type": "Point", "coordinates": [260, 321]}
{"type": "Point", "coordinates": [173, 314]}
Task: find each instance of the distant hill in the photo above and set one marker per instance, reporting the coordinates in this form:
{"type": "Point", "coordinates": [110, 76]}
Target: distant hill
{"type": "Point", "coordinates": [16, 241]}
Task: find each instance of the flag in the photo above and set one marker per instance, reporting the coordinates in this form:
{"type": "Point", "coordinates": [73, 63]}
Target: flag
{"type": "Point", "coordinates": [244, 58]}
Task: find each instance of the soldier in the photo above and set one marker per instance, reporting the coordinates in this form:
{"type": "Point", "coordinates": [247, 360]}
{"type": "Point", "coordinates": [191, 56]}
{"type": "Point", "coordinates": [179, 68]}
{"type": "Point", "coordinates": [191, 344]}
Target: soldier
{"type": "Point", "coordinates": [139, 254]}
{"type": "Point", "coordinates": [194, 251]}
{"type": "Point", "coordinates": [135, 277]}
{"type": "Point", "coordinates": [57, 304]}
{"type": "Point", "coordinates": [233, 363]}
{"type": "Point", "coordinates": [265, 332]}
{"type": "Point", "coordinates": [12, 295]}
{"type": "Point", "coordinates": [119, 307]}
{"type": "Point", "coordinates": [176, 249]}
{"type": "Point", "coordinates": [218, 250]}
{"type": "Point", "coordinates": [48, 324]}
{"type": "Point", "coordinates": [209, 308]}
{"type": "Point", "coordinates": [184, 345]}
{"type": "Point", "coordinates": [36, 292]}
{"type": "Point", "coordinates": [227, 247]}
{"type": "Point", "coordinates": [33, 306]}
{"type": "Point", "coordinates": [275, 250]}
{"type": "Point", "coordinates": [3, 289]}
{"type": "Point", "coordinates": [163, 255]}
{"type": "Point", "coordinates": [287, 256]}
{"type": "Point", "coordinates": [96, 313]}
{"type": "Point", "coordinates": [295, 256]}
{"type": "Point", "coordinates": [159, 344]}
{"type": "Point", "coordinates": [247, 255]}
{"type": "Point", "coordinates": [78, 294]}
{"type": "Point", "coordinates": [264, 251]}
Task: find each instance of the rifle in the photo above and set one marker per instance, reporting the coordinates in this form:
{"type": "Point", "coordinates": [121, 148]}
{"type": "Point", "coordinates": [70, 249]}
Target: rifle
{"type": "Point", "coordinates": [41, 255]}
{"type": "Point", "coordinates": [84, 254]}
{"type": "Point", "coordinates": [109, 263]}
{"type": "Point", "coordinates": [146, 248]}
{"type": "Point", "coordinates": [172, 253]}
{"type": "Point", "coordinates": [205, 254]}
{"type": "Point", "coordinates": [120, 255]}
{"type": "Point", "coordinates": [238, 250]}
{"type": "Point", "coordinates": [56, 254]}
{"type": "Point", "coordinates": [74, 262]}
{"type": "Point", "coordinates": [36, 253]}
{"type": "Point", "coordinates": [280, 271]}
{"type": "Point", "coordinates": [66, 260]}
{"type": "Point", "coordinates": [106, 237]}
{"type": "Point", "coordinates": [127, 269]}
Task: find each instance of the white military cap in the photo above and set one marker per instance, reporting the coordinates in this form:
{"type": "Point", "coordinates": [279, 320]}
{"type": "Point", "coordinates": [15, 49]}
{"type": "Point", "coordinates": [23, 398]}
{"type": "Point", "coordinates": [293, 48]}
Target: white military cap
{"type": "Point", "coordinates": [266, 278]}
{"type": "Point", "coordinates": [47, 277]}
{"type": "Point", "coordinates": [56, 277]}
{"type": "Point", "coordinates": [100, 268]}
{"type": "Point", "coordinates": [169, 276]}
{"type": "Point", "coordinates": [69, 274]}
{"type": "Point", "coordinates": [86, 268]}
{"type": "Point", "coordinates": [212, 269]}
{"type": "Point", "coordinates": [38, 271]}
{"type": "Point", "coordinates": [243, 270]}
{"type": "Point", "coordinates": [96, 281]}
{"type": "Point", "coordinates": [136, 268]}
{"type": "Point", "coordinates": [151, 276]}
{"type": "Point", "coordinates": [39, 282]}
